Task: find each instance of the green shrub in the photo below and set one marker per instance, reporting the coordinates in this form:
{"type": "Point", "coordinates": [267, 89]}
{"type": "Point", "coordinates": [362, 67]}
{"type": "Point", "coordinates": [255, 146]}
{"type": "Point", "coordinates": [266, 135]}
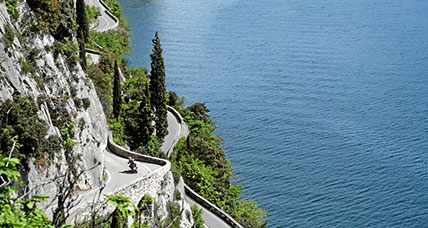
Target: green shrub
{"type": "Point", "coordinates": [68, 48]}
{"type": "Point", "coordinates": [86, 103]}
{"type": "Point", "coordinates": [201, 160]}
{"type": "Point", "coordinates": [248, 214]}
{"type": "Point", "coordinates": [116, 126]}
{"type": "Point", "coordinates": [197, 217]}
{"type": "Point", "coordinates": [55, 17]}
{"type": "Point", "coordinates": [67, 134]}
{"type": "Point", "coordinates": [11, 6]}
{"type": "Point", "coordinates": [20, 124]}
{"type": "Point", "coordinates": [92, 12]}
{"type": "Point", "coordinates": [114, 42]}
{"type": "Point", "coordinates": [18, 212]}
{"type": "Point", "coordinates": [114, 6]}
{"type": "Point", "coordinates": [177, 194]}
{"type": "Point", "coordinates": [102, 78]}
{"type": "Point", "coordinates": [26, 67]}
{"type": "Point", "coordinates": [9, 36]}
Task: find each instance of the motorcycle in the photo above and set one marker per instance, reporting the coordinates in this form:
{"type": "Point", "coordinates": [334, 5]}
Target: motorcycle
{"type": "Point", "coordinates": [132, 166]}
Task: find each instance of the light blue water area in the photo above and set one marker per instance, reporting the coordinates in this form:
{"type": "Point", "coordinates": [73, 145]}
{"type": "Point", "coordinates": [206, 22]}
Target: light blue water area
{"type": "Point", "coordinates": [323, 104]}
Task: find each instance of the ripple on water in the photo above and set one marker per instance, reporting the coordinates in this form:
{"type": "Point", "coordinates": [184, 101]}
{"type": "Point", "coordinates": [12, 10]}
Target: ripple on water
{"type": "Point", "coordinates": [322, 104]}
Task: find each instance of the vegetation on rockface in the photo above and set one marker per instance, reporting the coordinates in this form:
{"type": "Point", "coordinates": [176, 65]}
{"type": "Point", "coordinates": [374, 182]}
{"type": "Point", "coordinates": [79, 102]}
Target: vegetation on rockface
{"type": "Point", "coordinates": [92, 12]}
{"type": "Point", "coordinates": [68, 48]}
{"type": "Point", "coordinates": [55, 17]}
{"type": "Point", "coordinates": [201, 161]}
{"type": "Point", "coordinates": [16, 211]}
{"type": "Point", "coordinates": [157, 89]}
{"type": "Point", "coordinates": [145, 207]}
{"type": "Point", "coordinates": [26, 67]}
{"type": "Point", "coordinates": [124, 209]}
{"type": "Point", "coordinates": [197, 217]}
{"type": "Point", "coordinates": [21, 130]}
{"type": "Point", "coordinates": [174, 215]}
{"type": "Point", "coordinates": [8, 36]}
{"type": "Point", "coordinates": [11, 6]}
{"type": "Point", "coordinates": [102, 77]}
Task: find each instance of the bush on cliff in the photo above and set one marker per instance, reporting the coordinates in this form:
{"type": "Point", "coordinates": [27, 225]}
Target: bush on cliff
{"type": "Point", "coordinates": [15, 211]}
{"type": "Point", "coordinates": [21, 129]}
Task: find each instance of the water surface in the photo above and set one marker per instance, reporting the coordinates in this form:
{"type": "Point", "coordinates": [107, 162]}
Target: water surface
{"type": "Point", "coordinates": [323, 104]}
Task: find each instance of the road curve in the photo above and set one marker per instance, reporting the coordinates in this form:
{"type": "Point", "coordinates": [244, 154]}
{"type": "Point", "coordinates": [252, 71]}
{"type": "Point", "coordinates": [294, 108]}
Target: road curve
{"type": "Point", "coordinates": [107, 20]}
{"type": "Point", "coordinates": [176, 129]}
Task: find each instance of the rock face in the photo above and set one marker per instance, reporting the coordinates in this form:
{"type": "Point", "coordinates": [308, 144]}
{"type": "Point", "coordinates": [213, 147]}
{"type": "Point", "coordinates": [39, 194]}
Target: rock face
{"type": "Point", "coordinates": [38, 65]}
{"type": "Point", "coordinates": [31, 66]}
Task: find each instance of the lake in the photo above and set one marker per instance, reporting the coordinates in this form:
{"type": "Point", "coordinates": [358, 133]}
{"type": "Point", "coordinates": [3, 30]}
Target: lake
{"type": "Point", "coordinates": [322, 104]}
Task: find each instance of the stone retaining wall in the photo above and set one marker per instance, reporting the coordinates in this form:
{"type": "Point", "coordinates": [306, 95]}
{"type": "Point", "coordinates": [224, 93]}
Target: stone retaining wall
{"type": "Point", "coordinates": [211, 207]}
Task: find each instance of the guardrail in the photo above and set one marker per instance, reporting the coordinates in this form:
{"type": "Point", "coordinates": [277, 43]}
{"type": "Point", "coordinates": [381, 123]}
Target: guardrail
{"type": "Point", "coordinates": [211, 207]}
{"type": "Point", "coordinates": [176, 114]}
{"type": "Point", "coordinates": [151, 182]}
{"type": "Point", "coordinates": [124, 153]}
{"type": "Point", "coordinates": [92, 51]}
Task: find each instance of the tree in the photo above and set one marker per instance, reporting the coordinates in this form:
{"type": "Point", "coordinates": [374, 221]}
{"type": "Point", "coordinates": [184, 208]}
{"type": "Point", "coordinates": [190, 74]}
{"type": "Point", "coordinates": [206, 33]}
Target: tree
{"type": "Point", "coordinates": [117, 99]}
{"type": "Point", "coordinates": [137, 113]}
{"type": "Point", "coordinates": [157, 89]}
{"type": "Point", "coordinates": [82, 30]}
{"type": "Point", "coordinates": [82, 21]}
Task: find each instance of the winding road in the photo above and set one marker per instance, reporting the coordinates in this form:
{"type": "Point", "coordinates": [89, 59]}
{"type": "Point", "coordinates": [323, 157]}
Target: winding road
{"type": "Point", "coordinates": [117, 166]}
{"type": "Point", "coordinates": [107, 20]}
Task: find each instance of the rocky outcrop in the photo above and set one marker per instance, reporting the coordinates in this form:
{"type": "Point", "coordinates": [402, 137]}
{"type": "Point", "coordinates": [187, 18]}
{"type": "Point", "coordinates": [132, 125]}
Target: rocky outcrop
{"type": "Point", "coordinates": [30, 65]}
{"type": "Point", "coordinates": [44, 67]}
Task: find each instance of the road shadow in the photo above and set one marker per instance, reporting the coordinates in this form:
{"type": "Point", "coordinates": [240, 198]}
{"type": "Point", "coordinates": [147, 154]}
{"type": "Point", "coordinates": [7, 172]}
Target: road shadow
{"type": "Point", "coordinates": [129, 171]}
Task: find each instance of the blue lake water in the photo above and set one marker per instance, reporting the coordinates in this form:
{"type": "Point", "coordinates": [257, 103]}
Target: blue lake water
{"type": "Point", "coordinates": [323, 104]}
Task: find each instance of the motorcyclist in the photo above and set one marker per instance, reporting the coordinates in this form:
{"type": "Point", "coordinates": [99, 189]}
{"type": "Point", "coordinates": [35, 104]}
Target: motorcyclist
{"type": "Point", "coordinates": [132, 165]}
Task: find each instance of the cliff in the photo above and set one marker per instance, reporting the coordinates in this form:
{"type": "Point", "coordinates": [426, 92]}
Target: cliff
{"type": "Point", "coordinates": [39, 59]}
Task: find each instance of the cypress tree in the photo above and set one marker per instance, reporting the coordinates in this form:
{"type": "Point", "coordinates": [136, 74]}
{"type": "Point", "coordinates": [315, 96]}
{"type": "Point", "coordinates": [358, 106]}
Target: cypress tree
{"type": "Point", "coordinates": [137, 112]}
{"type": "Point", "coordinates": [117, 99]}
{"type": "Point", "coordinates": [157, 89]}
{"type": "Point", "coordinates": [82, 30]}
{"type": "Point", "coordinates": [146, 120]}
{"type": "Point", "coordinates": [138, 124]}
{"type": "Point", "coordinates": [82, 21]}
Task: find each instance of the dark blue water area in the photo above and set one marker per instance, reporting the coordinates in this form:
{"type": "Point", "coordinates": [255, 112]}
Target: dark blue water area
{"type": "Point", "coordinates": [323, 104]}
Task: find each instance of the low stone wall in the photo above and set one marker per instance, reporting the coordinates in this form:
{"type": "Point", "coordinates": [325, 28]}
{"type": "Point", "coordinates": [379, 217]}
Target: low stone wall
{"type": "Point", "coordinates": [211, 207]}
{"type": "Point", "coordinates": [124, 153]}
{"type": "Point", "coordinates": [151, 183]}
{"type": "Point", "coordinates": [92, 51]}
{"type": "Point", "coordinates": [176, 114]}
